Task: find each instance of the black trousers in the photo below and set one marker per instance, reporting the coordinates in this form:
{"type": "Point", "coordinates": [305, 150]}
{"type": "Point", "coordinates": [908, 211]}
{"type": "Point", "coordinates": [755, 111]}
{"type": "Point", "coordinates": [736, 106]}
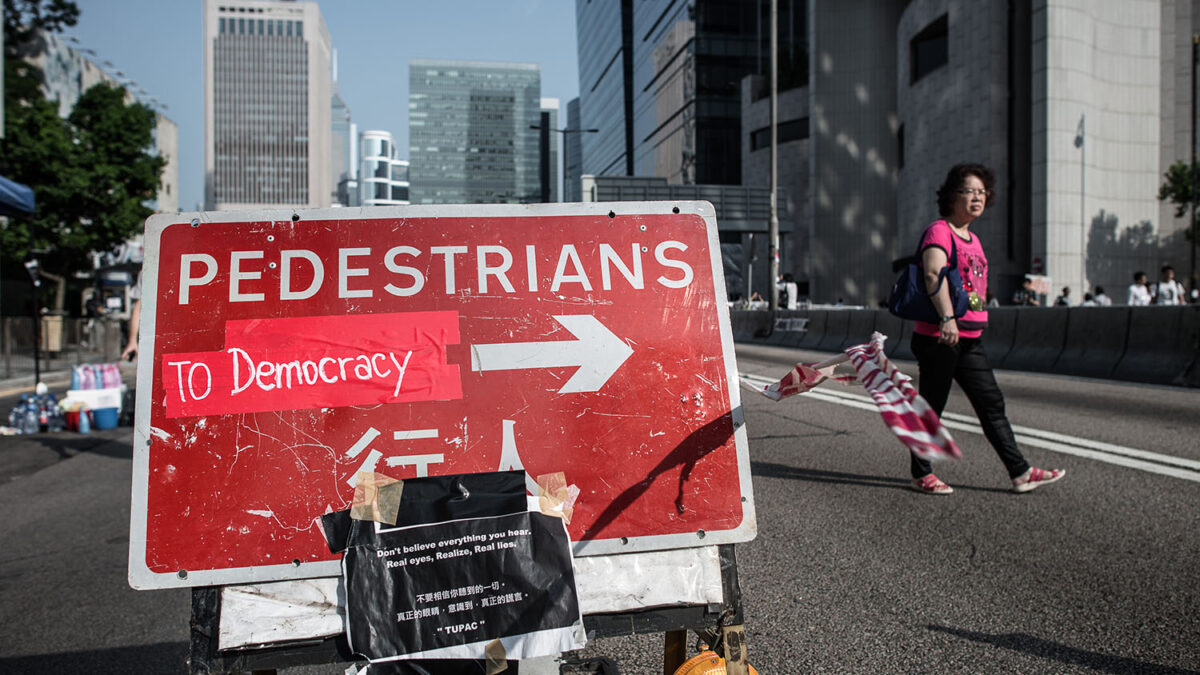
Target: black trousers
{"type": "Point", "coordinates": [967, 364]}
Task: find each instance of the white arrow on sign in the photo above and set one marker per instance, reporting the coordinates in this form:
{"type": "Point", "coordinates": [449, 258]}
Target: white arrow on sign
{"type": "Point", "coordinates": [596, 351]}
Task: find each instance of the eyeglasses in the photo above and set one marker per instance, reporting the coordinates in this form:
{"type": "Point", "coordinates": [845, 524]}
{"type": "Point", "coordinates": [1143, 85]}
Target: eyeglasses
{"type": "Point", "coordinates": [982, 192]}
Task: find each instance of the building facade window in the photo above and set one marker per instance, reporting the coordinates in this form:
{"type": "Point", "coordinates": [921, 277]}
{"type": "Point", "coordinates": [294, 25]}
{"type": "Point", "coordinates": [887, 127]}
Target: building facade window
{"type": "Point", "coordinates": [930, 49]}
{"type": "Point", "coordinates": [792, 130]}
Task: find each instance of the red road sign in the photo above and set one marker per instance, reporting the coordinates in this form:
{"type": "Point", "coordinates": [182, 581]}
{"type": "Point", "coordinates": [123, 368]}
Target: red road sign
{"type": "Point", "coordinates": [281, 356]}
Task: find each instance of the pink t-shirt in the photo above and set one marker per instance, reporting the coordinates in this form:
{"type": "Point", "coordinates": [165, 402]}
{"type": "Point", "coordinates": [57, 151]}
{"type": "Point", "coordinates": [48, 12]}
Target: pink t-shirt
{"type": "Point", "coordinates": [972, 265]}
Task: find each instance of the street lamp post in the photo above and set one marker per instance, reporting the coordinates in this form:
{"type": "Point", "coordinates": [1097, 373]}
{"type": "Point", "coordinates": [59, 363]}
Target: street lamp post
{"type": "Point", "coordinates": [773, 231]}
{"type": "Point", "coordinates": [1195, 46]}
{"type": "Point", "coordinates": [32, 267]}
{"type": "Point", "coordinates": [544, 150]}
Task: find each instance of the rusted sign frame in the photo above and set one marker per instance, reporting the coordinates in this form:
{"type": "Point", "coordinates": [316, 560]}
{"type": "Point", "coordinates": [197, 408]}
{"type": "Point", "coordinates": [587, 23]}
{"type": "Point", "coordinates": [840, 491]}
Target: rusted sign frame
{"type": "Point", "coordinates": [714, 622]}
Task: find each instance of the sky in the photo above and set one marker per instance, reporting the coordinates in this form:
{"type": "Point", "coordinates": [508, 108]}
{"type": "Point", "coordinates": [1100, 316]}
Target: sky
{"type": "Point", "coordinates": [159, 44]}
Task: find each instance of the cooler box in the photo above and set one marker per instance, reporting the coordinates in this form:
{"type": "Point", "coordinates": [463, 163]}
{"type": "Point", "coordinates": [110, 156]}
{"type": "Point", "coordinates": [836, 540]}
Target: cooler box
{"type": "Point", "coordinates": [96, 399]}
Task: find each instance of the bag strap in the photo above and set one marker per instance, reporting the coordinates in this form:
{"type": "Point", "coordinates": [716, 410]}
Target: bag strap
{"type": "Point", "coordinates": [951, 263]}
{"type": "Point", "coordinates": [953, 260]}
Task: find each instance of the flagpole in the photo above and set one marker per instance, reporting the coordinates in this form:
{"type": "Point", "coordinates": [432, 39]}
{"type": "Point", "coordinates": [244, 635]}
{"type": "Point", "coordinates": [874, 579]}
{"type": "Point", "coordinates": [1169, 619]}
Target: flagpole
{"type": "Point", "coordinates": [1082, 213]}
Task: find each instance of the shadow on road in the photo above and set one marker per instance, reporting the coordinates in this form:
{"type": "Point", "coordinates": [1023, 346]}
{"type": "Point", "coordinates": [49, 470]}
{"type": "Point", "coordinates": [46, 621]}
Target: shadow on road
{"type": "Point", "coordinates": [113, 443]}
{"type": "Point", "coordinates": [772, 470]}
{"type": "Point", "coordinates": [163, 657]}
{"type": "Point", "coordinates": [1105, 663]}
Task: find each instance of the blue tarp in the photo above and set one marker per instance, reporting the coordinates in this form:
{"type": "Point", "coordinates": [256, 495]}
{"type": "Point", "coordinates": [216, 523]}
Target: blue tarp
{"type": "Point", "coordinates": [15, 198]}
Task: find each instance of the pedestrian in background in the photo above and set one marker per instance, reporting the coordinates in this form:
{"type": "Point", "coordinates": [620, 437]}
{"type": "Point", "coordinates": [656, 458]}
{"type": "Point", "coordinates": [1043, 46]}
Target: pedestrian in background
{"type": "Point", "coordinates": [1168, 291]}
{"type": "Point", "coordinates": [1139, 293]}
{"type": "Point", "coordinates": [788, 291]}
{"type": "Point", "coordinates": [135, 321]}
{"type": "Point", "coordinates": [1064, 298]}
{"type": "Point", "coordinates": [952, 350]}
{"type": "Point", "coordinates": [1025, 296]}
{"type": "Point", "coordinates": [1101, 299]}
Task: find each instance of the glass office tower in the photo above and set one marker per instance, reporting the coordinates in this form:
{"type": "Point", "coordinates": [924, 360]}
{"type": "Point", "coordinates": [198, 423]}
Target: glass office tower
{"type": "Point", "coordinates": [267, 112]}
{"type": "Point", "coordinates": [605, 45]}
{"type": "Point", "coordinates": [549, 117]}
{"type": "Point", "coordinates": [344, 159]}
{"type": "Point", "coordinates": [661, 80]}
{"type": "Point", "coordinates": [572, 154]}
{"type": "Point", "coordinates": [470, 135]}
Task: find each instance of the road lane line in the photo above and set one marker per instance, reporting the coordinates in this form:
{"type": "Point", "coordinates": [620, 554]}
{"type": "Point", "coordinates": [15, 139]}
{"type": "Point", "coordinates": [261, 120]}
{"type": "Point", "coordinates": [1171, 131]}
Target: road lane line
{"type": "Point", "coordinates": [1051, 436]}
{"type": "Point", "coordinates": [1143, 460]}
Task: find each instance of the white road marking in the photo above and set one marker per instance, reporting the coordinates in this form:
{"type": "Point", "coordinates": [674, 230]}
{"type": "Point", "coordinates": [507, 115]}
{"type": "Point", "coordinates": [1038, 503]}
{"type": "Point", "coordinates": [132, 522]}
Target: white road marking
{"type": "Point", "coordinates": [1143, 460]}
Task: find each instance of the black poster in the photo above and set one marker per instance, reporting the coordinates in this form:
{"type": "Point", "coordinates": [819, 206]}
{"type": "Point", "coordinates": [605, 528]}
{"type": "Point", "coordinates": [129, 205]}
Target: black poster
{"type": "Point", "coordinates": [449, 589]}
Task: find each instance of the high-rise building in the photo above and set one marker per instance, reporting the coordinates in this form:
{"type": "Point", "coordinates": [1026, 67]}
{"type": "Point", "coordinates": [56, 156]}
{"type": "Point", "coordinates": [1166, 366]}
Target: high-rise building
{"type": "Point", "coordinates": [344, 155]}
{"type": "Point", "coordinates": [267, 111]}
{"type": "Point", "coordinates": [553, 136]}
{"type": "Point", "coordinates": [1078, 108]}
{"type": "Point", "coordinates": [572, 154]}
{"type": "Point", "coordinates": [382, 176]}
{"type": "Point", "coordinates": [470, 135]}
{"type": "Point", "coordinates": [660, 79]}
{"type": "Point", "coordinates": [604, 31]}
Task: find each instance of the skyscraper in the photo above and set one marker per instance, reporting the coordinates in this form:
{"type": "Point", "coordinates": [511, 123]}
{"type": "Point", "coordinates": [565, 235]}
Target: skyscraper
{"type": "Point", "coordinates": [549, 117]}
{"type": "Point", "coordinates": [572, 154]}
{"type": "Point", "coordinates": [470, 135]}
{"type": "Point", "coordinates": [267, 112]}
{"type": "Point", "coordinates": [344, 157]}
{"type": "Point", "coordinates": [660, 80]}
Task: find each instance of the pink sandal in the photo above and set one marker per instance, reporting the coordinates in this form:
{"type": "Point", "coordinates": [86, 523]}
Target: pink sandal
{"type": "Point", "coordinates": [1034, 477]}
{"type": "Point", "coordinates": [931, 485]}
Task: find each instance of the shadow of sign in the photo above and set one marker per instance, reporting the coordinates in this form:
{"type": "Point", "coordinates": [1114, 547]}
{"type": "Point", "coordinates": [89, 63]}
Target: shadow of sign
{"type": "Point", "coordinates": [713, 435]}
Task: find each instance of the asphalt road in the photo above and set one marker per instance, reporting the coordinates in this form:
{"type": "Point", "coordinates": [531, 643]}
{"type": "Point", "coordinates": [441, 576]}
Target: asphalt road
{"type": "Point", "coordinates": [852, 572]}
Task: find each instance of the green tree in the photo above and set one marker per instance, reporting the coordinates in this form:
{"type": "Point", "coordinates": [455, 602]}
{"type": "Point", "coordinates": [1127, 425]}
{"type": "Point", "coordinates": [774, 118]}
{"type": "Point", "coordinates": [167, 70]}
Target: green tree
{"type": "Point", "coordinates": [92, 173]}
{"type": "Point", "coordinates": [1178, 188]}
{"type": "Point", "coordinates": [23, 19]}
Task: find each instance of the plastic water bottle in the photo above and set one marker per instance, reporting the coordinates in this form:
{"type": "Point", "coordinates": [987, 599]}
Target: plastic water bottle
{"type": "Point", "coordinates": [30, 424]}
{"type": "Point", "coordinates": [85, 426]}
{"type": "Point", "coordinates": [57, 422]}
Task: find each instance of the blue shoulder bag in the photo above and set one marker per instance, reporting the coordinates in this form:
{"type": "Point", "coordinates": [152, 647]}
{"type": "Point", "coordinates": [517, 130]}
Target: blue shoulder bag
{"type": "Point", "coordinates": [909, 300]}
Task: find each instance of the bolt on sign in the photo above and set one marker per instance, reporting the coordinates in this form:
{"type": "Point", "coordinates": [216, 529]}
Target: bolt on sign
{"type": "Point", "coordinates": [282, 353]}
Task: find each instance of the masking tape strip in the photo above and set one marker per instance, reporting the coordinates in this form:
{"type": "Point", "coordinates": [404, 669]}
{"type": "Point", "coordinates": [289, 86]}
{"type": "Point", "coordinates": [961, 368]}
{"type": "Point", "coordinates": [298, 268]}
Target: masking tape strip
{"type": "Point", "coordinates": [376, 498]}
{"type": "Point", "coordinates": [496, 657]}
{"type": "Point", "coordinates": [555, 497]}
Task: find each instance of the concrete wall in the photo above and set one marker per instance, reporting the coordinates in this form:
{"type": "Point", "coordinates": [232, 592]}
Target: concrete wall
{"type": "Point", "coordinates": [1157, 344]}
{"type": "Point", "coordinates": [958, 113]}
{"type": "Point", "coordinates": [1099, 61]}
{"type": "Point", "coordinates": [853, 148]}
{"type": "Point", "coordinates": [793, 163]}
{"type": "Point", "coordinates": [1180, 20]}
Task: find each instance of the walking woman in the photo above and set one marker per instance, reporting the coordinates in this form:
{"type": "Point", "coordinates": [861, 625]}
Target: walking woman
{"type": "Point", "coordinates": [952, 349]}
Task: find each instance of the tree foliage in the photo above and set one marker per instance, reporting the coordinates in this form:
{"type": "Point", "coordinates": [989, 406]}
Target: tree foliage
{"type": "Point", "coordinates": [92, 173]}
{"type": "Point", "coordinates": [23, 19]}
{"type": "Point", "coordinates": [1178, 186]}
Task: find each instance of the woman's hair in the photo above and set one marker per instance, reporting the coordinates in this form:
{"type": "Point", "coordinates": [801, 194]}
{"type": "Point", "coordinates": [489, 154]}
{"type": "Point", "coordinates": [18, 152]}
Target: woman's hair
{"type": "Point", "coordinates": [948, 192]}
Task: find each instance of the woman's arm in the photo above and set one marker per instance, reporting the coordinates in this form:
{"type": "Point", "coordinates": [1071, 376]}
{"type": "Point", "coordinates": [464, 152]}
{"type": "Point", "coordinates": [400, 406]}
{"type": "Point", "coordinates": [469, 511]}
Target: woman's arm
{"type": "Point", "coordinates": [933, 259]}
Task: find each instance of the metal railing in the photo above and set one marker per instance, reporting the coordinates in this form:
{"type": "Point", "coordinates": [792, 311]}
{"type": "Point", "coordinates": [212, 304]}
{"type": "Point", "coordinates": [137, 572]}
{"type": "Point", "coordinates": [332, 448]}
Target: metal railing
{"type": "Point", "coordinates": [65, 342]}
